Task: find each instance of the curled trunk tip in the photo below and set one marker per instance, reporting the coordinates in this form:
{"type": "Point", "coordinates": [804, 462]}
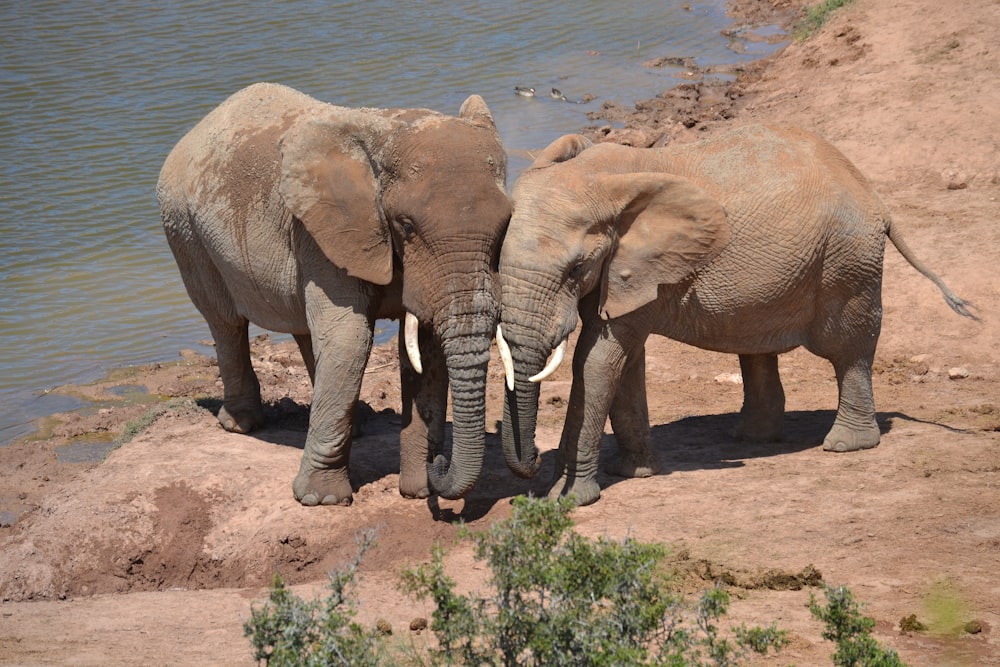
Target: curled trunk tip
{"type": "Point", "coordinates": [439, 476]}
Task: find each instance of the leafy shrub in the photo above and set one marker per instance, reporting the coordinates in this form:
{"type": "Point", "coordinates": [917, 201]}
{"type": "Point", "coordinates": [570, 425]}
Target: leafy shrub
{"type": "Point", "coordinates": [288, 631]}
{"type": "Point", "coordinates": [851, 631]}
{"type": "Point", "coordinates": [556, 598]}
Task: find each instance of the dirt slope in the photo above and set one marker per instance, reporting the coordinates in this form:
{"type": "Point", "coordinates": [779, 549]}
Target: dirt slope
{"type": "Point", "coordinates": [154, 556]}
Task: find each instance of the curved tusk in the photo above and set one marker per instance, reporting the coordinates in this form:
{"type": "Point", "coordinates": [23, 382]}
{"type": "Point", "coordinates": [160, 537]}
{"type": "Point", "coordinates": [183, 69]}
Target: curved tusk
{"type": "Point", "coordinates": [508, 362]}
{"type": "Point", "coordinates": [412, 341]}
{"type": "Point", "coordinates": [553, 364]}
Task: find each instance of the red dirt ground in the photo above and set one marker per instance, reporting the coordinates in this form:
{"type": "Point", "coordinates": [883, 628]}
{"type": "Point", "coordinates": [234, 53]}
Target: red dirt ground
{"type": "Point", "coordinates": [155, 555]}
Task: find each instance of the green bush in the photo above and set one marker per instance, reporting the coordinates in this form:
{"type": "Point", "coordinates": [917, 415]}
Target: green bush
{"type": "Point", "coordinates": [851, 631]}
{"type": "Point", "coordinates": [553, 598]}
{"type": "Point", "coordinates": [288, 631]}
{"type": "Point", "coordinates": [556, 598]}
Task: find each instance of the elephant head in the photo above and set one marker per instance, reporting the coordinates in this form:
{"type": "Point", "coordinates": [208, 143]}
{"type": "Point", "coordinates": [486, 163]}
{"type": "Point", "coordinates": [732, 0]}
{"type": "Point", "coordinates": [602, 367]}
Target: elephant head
{"type": "Point", "coordinates": [421, 195]}
{"type": "Point", "coordinates": [591, 232]}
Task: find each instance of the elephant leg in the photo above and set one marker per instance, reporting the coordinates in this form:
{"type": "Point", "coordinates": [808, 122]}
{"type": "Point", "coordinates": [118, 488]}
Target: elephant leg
{"type": "Point", "coordinates": [342, 341]}
{"type": "Point", "coordinates": [425, 406]}
{"type": "Point", "coordinates": [630, 422]}
{"type": "Point", "coordinates": [306, 350]}
{"type": "Point", "coordinates": [763, 412]}
{"type": "Point", "coordinates": [241, 410]}
{"type": "Point", "coordinates": [855, 426]}
{"type": "Point", "coordinates": [598, 362]}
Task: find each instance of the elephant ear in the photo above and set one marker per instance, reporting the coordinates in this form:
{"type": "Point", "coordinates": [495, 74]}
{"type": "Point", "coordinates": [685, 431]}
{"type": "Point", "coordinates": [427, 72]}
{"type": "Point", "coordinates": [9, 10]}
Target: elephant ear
{"type": "Point", "coordinates": [328, 182]}
{"type": "Point", "coordinates": [475, 111]}
{"type": "Point", "coordinates": [562, 149]}
{"type": "Point", "coordinates": [667, 227]}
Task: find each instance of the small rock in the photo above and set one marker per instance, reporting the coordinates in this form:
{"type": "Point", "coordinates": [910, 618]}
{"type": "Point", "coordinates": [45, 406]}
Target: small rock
{"type": "Point", "coordinates": [958, 373]}
{"type": "Point", "coordinates": [383, 627]}
{"type": "Point", "coordinates": [973, 627]}
{"type": "Point", "coordinates": [955, 179]}
{"type": "Point", "coordinates": [729, 378]}
{"type": "Point", "coordinates": [418, 624]}
{"type": "Point", "coordinates": [920, 358]}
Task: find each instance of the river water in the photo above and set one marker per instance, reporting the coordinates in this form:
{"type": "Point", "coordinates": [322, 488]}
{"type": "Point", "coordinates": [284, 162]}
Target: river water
{"type": "Point", "coordinates": [93, 95]}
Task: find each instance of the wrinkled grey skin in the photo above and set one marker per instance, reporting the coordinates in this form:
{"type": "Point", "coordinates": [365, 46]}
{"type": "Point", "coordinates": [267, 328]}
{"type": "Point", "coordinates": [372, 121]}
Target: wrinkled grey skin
{"type": "Point", "coordinates": [753, 243]}
{"type": "Point", "coordinates": [314, 219]}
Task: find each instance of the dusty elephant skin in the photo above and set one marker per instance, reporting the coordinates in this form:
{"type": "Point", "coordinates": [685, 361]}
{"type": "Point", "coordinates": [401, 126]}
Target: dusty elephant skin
{"type": "Point", "coordinates": [755, 242]}
{"type": "Point", "coordinates": [312, 219]}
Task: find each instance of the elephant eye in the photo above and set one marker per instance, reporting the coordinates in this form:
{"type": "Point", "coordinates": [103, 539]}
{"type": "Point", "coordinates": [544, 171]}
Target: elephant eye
{"type": "Point", "coordinates": [576, 271]}
{"type": "Point", "coordinates": [406, 227]}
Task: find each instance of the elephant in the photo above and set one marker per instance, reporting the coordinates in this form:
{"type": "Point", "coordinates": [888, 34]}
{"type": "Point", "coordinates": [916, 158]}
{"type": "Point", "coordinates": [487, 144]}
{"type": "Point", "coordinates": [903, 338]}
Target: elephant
{"type": "Point", "coordinates": [315, 220]}
{"type": "Point", "coordinates": [756, 242]}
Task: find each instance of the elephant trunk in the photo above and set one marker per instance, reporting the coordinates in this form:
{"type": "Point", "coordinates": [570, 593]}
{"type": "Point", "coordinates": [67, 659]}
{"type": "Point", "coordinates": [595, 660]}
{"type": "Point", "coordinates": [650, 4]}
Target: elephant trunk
{"type": "Point", "coordinates": [520, 413]}
{"type": "Point", "coordinates": [520, 403]}
{"type": "Point", "coordinates": [467, 357]}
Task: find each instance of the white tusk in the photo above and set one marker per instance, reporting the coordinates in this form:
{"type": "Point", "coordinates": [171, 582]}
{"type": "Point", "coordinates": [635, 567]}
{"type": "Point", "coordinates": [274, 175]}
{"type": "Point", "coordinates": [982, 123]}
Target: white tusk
{"type": "Point", "coordinates": [412, 341]}
{"type": "Point", "coordinates": [553, 364]}
{"type": "Point", "coordinates": [508, 362]}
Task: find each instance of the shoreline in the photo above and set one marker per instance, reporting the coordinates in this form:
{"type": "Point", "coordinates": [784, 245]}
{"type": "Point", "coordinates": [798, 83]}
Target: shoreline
{"type": "Point", "coordinates": [687, 106]}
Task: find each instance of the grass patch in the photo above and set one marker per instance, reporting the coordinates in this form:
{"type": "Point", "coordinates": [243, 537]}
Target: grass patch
{"type": "Point", "coordinates": [816, 16]}
{"type": "Point", "coordinates": [138, 425]}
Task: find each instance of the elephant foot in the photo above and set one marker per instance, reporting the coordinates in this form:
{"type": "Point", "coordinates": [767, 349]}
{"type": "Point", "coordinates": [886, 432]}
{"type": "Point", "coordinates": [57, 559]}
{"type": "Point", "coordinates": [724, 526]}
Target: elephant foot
{"type": "Point", "coordinates": [633, 464]}
{"type": "Point", "coordinates": [844, 439]}
{"type": "Point", "coordinates": [241, 420]}
{"type": "Point", "coordinates": [583, 491]}
{"type": "Point", "coordinates": [414, 485]}
{"type": "Point", "coordinates": [323, 487]}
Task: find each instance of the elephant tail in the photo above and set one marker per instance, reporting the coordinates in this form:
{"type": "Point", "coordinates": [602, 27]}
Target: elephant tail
{"type": "Point", "coordinates": [955, 302]}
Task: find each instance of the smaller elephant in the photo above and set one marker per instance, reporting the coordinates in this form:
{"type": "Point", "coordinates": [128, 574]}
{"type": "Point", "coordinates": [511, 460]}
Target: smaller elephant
{"type": "Point", "coordinates": [315, 220]}
{"type": "Point", "coordinates": [753, 243]}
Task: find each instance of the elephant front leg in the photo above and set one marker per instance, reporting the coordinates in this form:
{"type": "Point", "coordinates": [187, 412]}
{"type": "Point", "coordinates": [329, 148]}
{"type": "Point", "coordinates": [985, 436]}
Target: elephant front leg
{"type": "Point", "coordinates": [597, 367]}
{"type": "Point", "coordinates": [342, 341]}
{"type": "Point", "coordinates": [630, 422]}
{"type": "Point", "coordinates": [855, 426]}
{"type": "Point", "coordinates": [763, 414]}
{"type": "Point", "coordinates": [425, 405]}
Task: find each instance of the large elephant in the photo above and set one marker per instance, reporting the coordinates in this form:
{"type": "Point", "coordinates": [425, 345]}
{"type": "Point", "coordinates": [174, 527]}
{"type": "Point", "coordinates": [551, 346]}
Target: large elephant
{"type": "Point", "coordinates": [755, 242]}
{"type": "Point", "coordinates": [314, 219]}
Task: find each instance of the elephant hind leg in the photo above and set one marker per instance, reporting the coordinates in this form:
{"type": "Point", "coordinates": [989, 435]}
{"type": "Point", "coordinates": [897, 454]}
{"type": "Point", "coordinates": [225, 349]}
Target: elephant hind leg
{"type": "Point", "coordinates": [855, 426]}
{"type": "Point", "coordinates": [241, 410]}
{"type": "Point", "coordinates": [763, 413]}
{"type": "Point", "coordinates": [304, 342]}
